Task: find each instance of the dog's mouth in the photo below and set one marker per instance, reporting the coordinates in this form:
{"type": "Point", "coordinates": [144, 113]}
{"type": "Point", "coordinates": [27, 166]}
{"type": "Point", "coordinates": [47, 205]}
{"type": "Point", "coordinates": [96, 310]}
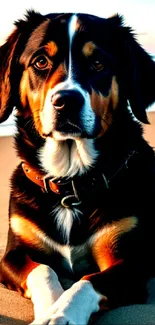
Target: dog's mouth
{"type": "Point", "coordinates": [68, 127]}
{"type": "Point", "coordinates": [68, 133]}
{"type": "Point", "coordinates": [66, 130]}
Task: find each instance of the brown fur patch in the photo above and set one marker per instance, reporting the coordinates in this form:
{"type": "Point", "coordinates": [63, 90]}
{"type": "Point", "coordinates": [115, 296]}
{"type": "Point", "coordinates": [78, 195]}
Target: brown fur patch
{"type": "Point", "coordinates": [114, 93]}
{"type": "Point", "coordinates": [28, 231]}
{"type": "Point", "coordinates": [104, 106]}
{"type": "Point", "coordinates": [104, 242]}
{"type": "Point", "coordinates": [58, 76]}
{"type": "Point", "coordinates": [88, 48]}
{"type": "Point", "coordinates": [29, 266]}
{"type": "Point", "coordinates": [33, 101]}
{"type": "Point", "coordinates": [51, 48]}
{"type": "Point", "coordinates": [23, 89]}
{"type": "Point", "coordinates": [5, 86]}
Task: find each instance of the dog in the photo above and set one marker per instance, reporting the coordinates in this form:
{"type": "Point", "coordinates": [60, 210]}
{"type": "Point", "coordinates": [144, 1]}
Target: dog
{"type": "Point", "coordinates": [81, 201]}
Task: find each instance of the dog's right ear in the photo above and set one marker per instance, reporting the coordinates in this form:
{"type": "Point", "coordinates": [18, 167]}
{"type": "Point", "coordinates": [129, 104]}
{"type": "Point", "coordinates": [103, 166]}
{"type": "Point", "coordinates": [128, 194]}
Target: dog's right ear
{"type": "Point", "coordinates": [6, 91]}
{"type": "Point", "coordinates": [9, 67]}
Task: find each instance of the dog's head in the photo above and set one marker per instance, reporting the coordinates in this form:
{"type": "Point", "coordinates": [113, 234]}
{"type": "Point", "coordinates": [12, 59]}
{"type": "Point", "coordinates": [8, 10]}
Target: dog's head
{"type": "Point", "coordinates": [71, 73]}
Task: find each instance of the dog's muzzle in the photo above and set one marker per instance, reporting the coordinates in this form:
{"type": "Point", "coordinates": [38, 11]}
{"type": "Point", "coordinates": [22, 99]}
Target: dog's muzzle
{"type": "Point", "coordinates": [71, 115]}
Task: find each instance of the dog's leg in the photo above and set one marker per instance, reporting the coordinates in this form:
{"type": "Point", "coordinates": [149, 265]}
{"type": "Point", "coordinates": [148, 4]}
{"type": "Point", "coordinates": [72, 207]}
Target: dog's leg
{"type": "Point", "coordinates": [44, 288]}
{"type": "Point", "coordinates": [118, 285]}
{"type": "Point", "coordinates": [75, 306]}
{"type": "Point", "coordinates": [122, 283]}
{"type": "Point", "coordinates": [35, 281]}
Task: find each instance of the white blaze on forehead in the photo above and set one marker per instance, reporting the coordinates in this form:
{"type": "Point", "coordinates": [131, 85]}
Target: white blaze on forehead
{"type": "Point", "coordinates": [71, 31]}
{"type": "Point", "coordinates": [72, 27]}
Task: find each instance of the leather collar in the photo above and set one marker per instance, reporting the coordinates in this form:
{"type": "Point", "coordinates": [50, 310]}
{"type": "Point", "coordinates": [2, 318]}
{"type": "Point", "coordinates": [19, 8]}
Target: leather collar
{"type": "Point", "coordinates": [73, 190]}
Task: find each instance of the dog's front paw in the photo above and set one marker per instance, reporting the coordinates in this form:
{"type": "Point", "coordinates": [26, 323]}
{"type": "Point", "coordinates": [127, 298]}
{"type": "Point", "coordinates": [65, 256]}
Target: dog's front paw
{"type": "Point", "coordinates": [55, 319]}
{"type": "Point", "coordinates": [74, 307]}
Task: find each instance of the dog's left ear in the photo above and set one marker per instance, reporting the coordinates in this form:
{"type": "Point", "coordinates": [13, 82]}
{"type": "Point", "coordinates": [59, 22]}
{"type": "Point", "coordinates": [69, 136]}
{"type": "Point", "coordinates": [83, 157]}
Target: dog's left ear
{"type": "Point", "coordinates": [137, 70]}
{"type": "Point", "coordinates": [6, 91]}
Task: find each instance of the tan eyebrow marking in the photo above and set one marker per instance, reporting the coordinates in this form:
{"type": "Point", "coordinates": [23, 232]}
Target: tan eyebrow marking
{"type": "Point", "coordinates": [88, 48]}
{"type": "Point", "coordinates": [52, 48]}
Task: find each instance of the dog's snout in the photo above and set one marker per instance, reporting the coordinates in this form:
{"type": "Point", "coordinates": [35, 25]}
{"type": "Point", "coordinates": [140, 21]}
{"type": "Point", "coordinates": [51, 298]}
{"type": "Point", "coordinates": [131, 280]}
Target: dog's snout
{"type": "Point", "coordinates": [66, 99]}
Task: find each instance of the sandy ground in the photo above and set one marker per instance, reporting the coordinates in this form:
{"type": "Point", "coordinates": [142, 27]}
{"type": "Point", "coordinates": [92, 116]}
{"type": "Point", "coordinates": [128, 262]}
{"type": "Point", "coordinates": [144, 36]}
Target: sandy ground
{"type": "Point", "coordinates": [8, 162]}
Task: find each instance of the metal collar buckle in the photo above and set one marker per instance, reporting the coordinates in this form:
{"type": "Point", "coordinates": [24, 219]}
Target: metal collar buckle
{"type": "Point", "coordinates": [70, 201]}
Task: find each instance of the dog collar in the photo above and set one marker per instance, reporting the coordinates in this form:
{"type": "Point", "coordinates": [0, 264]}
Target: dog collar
{"type": "Point", "coordinates": [74, 190]}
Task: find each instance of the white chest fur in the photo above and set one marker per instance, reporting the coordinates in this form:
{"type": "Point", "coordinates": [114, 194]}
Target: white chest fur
{"type": "Point", "coordinates": [64, 218]}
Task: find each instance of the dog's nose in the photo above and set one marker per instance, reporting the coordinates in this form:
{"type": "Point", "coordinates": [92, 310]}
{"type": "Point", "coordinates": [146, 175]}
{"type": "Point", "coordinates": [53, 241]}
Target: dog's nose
{"type": "Point", "coordinates": [66, 99]}
{"type": "Point", "coordinates": [58, 101]}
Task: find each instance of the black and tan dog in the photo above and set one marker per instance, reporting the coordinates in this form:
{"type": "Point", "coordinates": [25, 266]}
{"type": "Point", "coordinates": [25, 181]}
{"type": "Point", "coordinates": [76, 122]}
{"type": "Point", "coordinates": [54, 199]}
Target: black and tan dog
{"type": "Point", "coordinates": [81, 204]}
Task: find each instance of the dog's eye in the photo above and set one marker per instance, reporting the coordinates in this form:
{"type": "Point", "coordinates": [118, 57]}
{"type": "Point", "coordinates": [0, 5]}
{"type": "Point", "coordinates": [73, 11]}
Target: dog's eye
{"type": "Point", "coordinates": [97, 66]}
{"type": "Point", "coordinates": [41, 62]}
